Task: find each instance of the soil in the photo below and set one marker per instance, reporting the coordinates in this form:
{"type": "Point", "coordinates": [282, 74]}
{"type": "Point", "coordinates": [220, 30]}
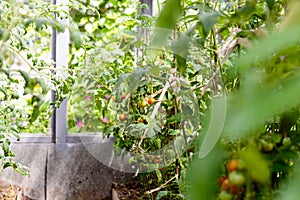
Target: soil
{"type": "Point", "coordinates": [8, 192]}
{"type": "Point", "coordinates": [11, 192]}
{"type": "Point", "coordinates": [130, 190]}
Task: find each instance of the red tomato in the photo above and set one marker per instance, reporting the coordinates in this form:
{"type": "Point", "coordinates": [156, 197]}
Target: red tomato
{"type": "Point", "coordinates": [226, 184]}
{"type": "Point", "coordinates": [221, 179]}
{"type": "Point", "coordinates": [234, 189]}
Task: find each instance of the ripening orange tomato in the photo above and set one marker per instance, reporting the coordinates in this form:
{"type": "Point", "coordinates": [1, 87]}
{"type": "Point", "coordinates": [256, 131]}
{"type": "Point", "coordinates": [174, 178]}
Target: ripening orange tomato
{"type": "Point", "coordinates": [232, 165]}
{"type": "Point", "coordinates": [123, 96]}
{"type": "Point", "coordinates": [122, 117]}
{"type": "Point", "coordinates": [142, 104]}
{"type": "Point", "coordinates": [151, 100]}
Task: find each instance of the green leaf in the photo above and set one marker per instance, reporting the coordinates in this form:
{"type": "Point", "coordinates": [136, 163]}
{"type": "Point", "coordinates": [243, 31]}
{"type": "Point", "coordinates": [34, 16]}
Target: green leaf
{"type": "Point", "coordinates": [214, 127]}
{"type": "Point", "coordinates": [40, 23]}
{"type": "Point", "coordinates": [166, 22]}
{"type": "Point", "coordinates": [135, 78]}
{"type": "Point", "coordinates": [290, 188]}
{"type": "Point", "coordinates": [154, 71]}
{"type": "Point", "coordinates": [151, 133]}
{"type": "Point", "coordinates": [42, 84]}
{"type": "Point", "coordinates": [174, 132]}
{"type": "Point", "coordinates": [246, 11]}
{"type": "Point", "coordinates": [270, 4]}
{"type": "Point", "coordinates": [3, 96]}
{"type": "Point", "coordinates": [6, 165]}
{"type": "Point", "coordinates": [35, 114]}
{"type": "Point", "coordinates": [161, 194]}
{"type": "Point", "coordinates": [20, 169]}
{"type": "Point", "coordinates": [5, 147]}
{"type": "Point", "coordinates": [25, 77]}
{"type": "Point", "coordinates": [268, 46]}
{"type": "Point", "coordinates": [180, 49]}
{"type": "Point", "coordinates": [208, 20]}
{"type": "Point", "coordinates": [179, 144]}
{"type": "Point", "coordinates": [76, 39]}
{"type": "Point", "coordinates": [254, 104]}
{"type": "Point", "coordinates": [169, 15]}
{"type": "Point", "coordinates": [175, 118]}
{"type": "Point", "coordinates": [65, 87]}
{"type": "Point", "coordinates": [158, 175]}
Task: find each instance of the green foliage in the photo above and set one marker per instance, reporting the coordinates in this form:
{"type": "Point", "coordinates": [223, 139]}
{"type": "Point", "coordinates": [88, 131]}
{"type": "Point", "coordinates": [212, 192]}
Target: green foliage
{"type": "Point", "coordinates": [106, 53]}
{"type": "Point", "coordinates": [239, 49]}
{"type": "Point", "coordinates": [26, 71]}
{"type": "Point", "coordinates": [212, 82]}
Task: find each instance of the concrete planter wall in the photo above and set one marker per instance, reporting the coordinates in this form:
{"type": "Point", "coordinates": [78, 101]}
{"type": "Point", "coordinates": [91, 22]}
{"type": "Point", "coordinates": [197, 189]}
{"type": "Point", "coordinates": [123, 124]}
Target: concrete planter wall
{"type": "Point", "coordinates": [65, 171]}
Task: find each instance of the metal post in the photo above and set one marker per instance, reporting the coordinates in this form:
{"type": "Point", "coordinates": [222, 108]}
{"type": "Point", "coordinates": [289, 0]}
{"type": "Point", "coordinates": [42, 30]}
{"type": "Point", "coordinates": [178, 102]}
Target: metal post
{"type": "Point", "coordinates": [60, 55]}
{"type": "Point", "coordinates": [149, 10]}
{"type": "Point", "coordinates": [53, 99]}
{"type": "Point", "coordinates": [142, 32]}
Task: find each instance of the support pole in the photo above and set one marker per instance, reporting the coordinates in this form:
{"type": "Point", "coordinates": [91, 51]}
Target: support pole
{"type": "Point", "coordinates": [60, 56]}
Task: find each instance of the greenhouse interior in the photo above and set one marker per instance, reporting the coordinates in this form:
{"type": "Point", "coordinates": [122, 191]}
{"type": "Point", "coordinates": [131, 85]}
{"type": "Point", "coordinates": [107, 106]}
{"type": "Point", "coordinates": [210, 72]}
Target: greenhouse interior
{"type": "Point", "coordinates": [149, 99]}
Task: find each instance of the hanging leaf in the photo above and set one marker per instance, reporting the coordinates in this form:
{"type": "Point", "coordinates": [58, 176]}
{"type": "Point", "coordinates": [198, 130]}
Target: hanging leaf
{"type": "Point", "coordinates": [76, 39]}
{"type": "Point", "coordinates": [35, 113]}
{"type": "Point", "coordinates": [25, 77]}
{"type": "Point", "coordinates": [270, 4]}
{"type": "Point", "coordinates": [5, 147]}
{"type": "Point", "coordinates": [134, 79]}
{"type": "Point", "coordinates": [3, 95]}
{"type": "Point", "coordinates": [208, 20]}
{"type": "Point", "coordinates": [165, 23]}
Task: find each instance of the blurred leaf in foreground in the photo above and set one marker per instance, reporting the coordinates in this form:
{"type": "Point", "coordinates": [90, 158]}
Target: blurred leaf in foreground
{"type": "Point", "coordinates": [256, 165]}
{"type": "Point", "coordinates": [204, 173]}
{"type": "Point", "coordinates": [290, 188]}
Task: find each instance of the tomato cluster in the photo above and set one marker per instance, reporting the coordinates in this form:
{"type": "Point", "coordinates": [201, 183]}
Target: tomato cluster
{"type": "Point", "coordinates": [142, 103]}
{"type": "Point", "coordinates": [232, 184]}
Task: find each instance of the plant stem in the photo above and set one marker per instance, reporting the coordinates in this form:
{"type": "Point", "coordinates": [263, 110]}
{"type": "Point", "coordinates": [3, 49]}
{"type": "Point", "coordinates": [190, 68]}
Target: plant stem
{"type": "Point", "coordinates": [163, 185]}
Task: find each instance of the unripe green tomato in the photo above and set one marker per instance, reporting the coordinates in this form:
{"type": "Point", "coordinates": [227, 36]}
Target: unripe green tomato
{"type": "Point", "coordinates": [286, 141]}
{"type": "Point", "coordinates": [236, 178]}
{"type": "Point", "coordinates": [267, 146]}
{"type": "Point", "coordinates": [294, 148]}
{"type": "Point", "coordinates": [225, 195]}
